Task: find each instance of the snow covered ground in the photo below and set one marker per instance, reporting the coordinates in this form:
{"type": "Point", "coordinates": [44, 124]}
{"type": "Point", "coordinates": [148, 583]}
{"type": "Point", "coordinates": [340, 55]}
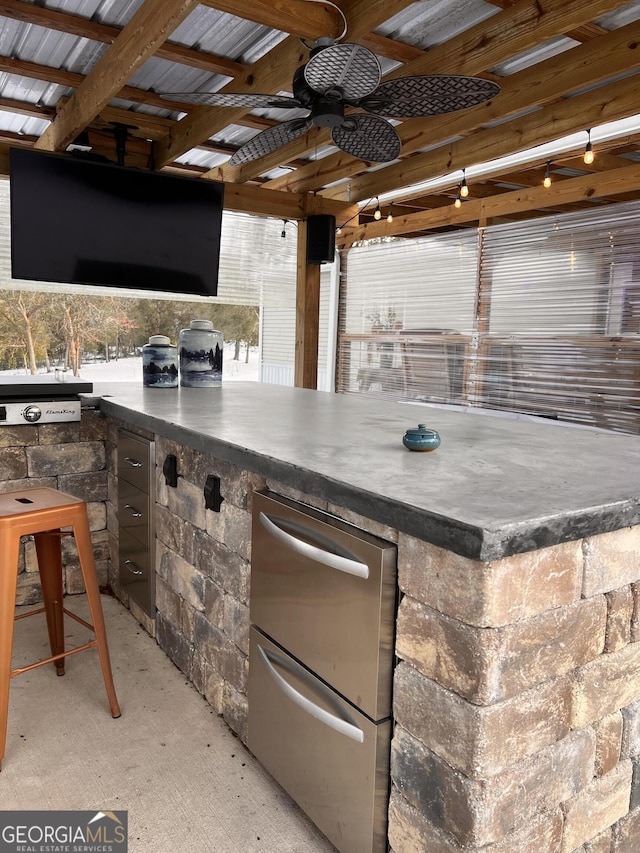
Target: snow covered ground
{"type": "Point", "coordinates": [130, 369]}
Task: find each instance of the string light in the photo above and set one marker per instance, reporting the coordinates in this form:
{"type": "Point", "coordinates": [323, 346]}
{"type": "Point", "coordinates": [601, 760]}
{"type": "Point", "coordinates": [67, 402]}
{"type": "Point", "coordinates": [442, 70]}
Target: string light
{"type": "Point", "coordinates": [464, 189]}
{"type": "Point", "coordinates": [458, 201]}
{"type": "Point", "coordinates": [283, 233]}
{"type": "Point", "coordinates": [589, 156]}
{"type": "Point", "coordinates": [546, 183]}
{"type": "Point", "coordinates": [390, 215]}
{"type": "Point", "coordinates": [378, 212]}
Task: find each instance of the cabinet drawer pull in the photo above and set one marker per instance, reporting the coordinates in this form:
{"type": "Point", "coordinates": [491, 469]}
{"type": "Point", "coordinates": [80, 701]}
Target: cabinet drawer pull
{"type": "Point", "coordinates": [133, 462]}
{"type": "Point", "coordinates": [134, 512]}
{"type": "Point", "coordinates": [134, 570]}
{"type": "Point", "coordinates": [323, 552]}
{"type": "Point", "coordinates": [341, 723]}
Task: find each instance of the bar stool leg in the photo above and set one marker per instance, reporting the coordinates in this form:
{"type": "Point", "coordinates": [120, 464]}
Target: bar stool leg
{"type": "Point", "coordinates": [48, 550]}
{"type": "Point", "coordinates": [85, 553]}
{"type": "Point", "coordinates": [9, 554]}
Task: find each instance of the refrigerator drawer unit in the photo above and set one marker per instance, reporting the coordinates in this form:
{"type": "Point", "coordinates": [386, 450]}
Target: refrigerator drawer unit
{"type": "Point", "coordinates": [326, 591]}
{"type": "Point", "coordinates": [329, 756]}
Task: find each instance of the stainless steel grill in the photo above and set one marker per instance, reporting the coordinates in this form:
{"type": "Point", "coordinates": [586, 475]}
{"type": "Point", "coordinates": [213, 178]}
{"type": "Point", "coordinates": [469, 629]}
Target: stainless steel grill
{"type": "Point", "coordinates": [39, 399]}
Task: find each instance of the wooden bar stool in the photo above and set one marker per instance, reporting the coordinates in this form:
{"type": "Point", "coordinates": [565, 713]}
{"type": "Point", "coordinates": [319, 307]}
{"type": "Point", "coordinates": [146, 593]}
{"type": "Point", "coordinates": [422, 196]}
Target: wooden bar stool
{"type": "Point", "coordinates": [43, 513]}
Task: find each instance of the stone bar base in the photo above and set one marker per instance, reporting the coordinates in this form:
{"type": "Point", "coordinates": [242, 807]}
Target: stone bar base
{"type": "Point", "coordinates": [517, 692]}
{"type": "Point", "coordinates": [69, 457]}
{"type": "Point", "coordinates": [517, 700]}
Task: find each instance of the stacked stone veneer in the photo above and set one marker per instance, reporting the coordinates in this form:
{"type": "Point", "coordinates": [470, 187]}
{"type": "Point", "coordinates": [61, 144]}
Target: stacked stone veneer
{"type": "Point", "coordinates": [517, 700]}
{"type": "Point", "coordinates": [202, 562]}
{"type": "Point", "coordinates": [69, 457]}
{"type": "Point", "coordinates": [517, 691]}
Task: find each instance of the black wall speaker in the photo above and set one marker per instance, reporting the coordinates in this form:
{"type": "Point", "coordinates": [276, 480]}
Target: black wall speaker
{"type": "Point", "coordinates": [321, 238]}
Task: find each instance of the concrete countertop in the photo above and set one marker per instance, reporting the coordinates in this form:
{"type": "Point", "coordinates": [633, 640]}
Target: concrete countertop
{"type": "Point", "coordinates": [495, 486]}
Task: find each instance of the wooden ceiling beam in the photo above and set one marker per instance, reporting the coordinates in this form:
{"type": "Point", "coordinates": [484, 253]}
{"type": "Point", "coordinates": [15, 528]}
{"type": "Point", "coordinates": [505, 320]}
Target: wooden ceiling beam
{"type": "Point", "coordinates": [150, 26]}
{"type": "Point", "coordinates": [616, 182]}
{"type": "Point", "coordinates": [583, 33]}
{"type": "Point", "coordinates": [73, 80]}
{"type": "Point", "coordinates": [297, 17]}
{"type": "Point", "coordinates": [64, 22]}
{"type": "Point", "coordinates": [390, 48]}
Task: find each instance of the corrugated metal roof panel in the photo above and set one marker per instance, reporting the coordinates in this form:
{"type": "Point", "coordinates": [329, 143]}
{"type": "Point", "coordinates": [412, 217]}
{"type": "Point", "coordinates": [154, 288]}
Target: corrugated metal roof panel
{"type": "Point", "coordinates": [425, 25]}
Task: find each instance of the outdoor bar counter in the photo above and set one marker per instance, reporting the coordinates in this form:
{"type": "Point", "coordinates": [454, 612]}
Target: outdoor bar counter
{"type": "Point", "coordinates": [517, 685]}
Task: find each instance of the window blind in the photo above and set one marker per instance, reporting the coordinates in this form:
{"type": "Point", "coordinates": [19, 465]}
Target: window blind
{"type": "Point", "coordinates": [540, 317]}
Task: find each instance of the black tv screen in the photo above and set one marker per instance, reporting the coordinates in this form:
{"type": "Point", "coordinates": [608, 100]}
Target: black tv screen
{"type": "Point", "coordinates": [84, 222]}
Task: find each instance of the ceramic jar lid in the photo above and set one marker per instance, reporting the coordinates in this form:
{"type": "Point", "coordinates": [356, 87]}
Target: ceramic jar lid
{"type": "Point", "coordinates": [202, 325]}
{"type": "Point", "coordinates": [159, 341]}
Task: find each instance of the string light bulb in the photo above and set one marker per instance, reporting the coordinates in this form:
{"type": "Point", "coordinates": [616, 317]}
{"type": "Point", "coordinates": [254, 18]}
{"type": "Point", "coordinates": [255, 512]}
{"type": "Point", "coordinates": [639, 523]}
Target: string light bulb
{"type": "Point", "coordinates": [378, 213]}
{"type": "Point", "coordinates": [546, 183]}
{"type": "Point", "coordinates": [390, 215]}
{"type": "Point", "coordinates": [458, 201]}
{"type": "Point", "coordinates": [464, 188]}
{"type": "Point", "coordinates": [589, 156]}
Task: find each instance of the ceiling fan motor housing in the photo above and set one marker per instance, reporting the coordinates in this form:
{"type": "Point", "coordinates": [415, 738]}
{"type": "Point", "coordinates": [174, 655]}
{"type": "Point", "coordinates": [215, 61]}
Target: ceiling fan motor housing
{"type": "Point", "coordinates": [326, 112]}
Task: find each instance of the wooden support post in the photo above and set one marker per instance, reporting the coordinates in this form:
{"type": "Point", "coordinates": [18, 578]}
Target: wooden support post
{"type": "Point", "coordinates": [307, 315]}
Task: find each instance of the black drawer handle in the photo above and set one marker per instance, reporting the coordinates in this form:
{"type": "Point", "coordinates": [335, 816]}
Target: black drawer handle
{"type": "Point", "coordinates": [134, 512]}
{"type": "Point", "coordinates": [135, 570]}
{"type": "Point", "coordinates": [133, 462]}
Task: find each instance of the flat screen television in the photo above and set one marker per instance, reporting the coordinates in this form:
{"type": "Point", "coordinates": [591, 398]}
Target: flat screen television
{"type": "Point", "coordinates": [80, 221]}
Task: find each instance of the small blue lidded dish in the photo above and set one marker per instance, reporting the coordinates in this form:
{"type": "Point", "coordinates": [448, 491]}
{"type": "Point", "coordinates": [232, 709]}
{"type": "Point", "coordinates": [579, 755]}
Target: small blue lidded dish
{"type": "Point", "coordinates": [421, 438]}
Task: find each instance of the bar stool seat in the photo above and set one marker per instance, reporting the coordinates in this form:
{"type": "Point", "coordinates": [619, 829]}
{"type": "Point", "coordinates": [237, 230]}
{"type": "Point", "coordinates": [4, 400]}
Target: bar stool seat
{"type": "Point", "coordinates": [43, 513]}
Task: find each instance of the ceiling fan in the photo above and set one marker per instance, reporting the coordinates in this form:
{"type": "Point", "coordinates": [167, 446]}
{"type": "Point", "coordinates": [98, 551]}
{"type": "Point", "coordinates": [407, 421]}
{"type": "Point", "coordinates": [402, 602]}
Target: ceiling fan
{"type": "Point", "coordinates": [341, 77]}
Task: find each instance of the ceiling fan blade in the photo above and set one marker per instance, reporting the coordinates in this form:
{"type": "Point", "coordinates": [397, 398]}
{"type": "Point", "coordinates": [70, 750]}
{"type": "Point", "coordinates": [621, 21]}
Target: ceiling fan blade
{"type": "Point", "coordinates": [270, 140]}
{"type": "Point", "coordinates": [233, 99]}
{"type": "Point", "coordinates": [368, 138]}
{"type": "Point", "coordinates": [350, 69]}
{"type": "Point", "coordinates": [410, 97]}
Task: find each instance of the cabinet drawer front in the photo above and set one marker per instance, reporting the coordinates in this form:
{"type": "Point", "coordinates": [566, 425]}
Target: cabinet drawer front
{"type": "Point", "coordinates": [134, 511]}
{"type": "Point", "coordinates": [136, 572]}
{"type": "Point", "coordinates": [326, 592]}
{"type": "Point", "coordinates": [328, 756]}
{"type": "Point", "coordinates": [135, 461]}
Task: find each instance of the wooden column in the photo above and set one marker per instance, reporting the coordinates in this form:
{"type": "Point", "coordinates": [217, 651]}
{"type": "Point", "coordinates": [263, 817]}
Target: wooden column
{"type": "Point", "coordinates": [307, 315]}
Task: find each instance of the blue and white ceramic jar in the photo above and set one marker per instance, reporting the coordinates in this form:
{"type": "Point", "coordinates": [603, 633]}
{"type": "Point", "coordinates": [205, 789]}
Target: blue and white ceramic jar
{"type": "Point", "coordinates": [159, 363]}
{"type": "Point", "coordinates": [200, 348]}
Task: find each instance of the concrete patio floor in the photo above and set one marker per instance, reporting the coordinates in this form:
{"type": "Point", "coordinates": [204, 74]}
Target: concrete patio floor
{"type": "Point", "coordinates": [186, 781]}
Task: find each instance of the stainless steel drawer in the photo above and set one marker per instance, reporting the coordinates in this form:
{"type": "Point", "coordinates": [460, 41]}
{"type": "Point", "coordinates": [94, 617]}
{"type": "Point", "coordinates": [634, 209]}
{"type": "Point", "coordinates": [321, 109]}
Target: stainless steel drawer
{"type": "Point", "coordinates": [134, 511]}
{"type": "Point", "coordinates": [327, 755]}
{"type": "Point", "coordinates": [136, 461]}
{"type": "Point", "coordinates": [326, 592]}
{"type": "Point", "coordinates": [135, 571]}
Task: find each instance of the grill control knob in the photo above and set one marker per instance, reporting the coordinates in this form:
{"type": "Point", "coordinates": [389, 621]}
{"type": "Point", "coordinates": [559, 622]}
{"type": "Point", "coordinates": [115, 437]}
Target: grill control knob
{"type": "Point", "coordinates": [32, 414]}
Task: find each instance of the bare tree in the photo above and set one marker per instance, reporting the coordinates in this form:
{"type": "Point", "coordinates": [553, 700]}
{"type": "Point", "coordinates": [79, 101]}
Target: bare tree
{"type": "Point", "coordinates": [24, 315]}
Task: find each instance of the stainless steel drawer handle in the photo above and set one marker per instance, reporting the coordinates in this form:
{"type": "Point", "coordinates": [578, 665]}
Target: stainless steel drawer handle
{"type": "Point", "coordinates": [134, 512]}
{"type": "Point", "coordinates": [316, 552]}
{"type": "Point", "coordinates": [133, 462]}
{"type": "Point", "coordinates": [342, 726]}
{"type": "Point", "coordinates": [132, 567]}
